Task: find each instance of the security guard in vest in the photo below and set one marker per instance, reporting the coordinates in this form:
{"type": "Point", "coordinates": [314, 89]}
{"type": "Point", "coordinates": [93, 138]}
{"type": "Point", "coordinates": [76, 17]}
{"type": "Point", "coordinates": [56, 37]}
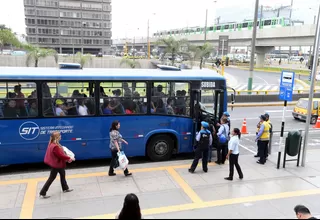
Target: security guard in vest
{"type": "Point", "coordinates": [204, 140]}
{"type": "Point", "coordinates": [270, 124]}
{"type": "Point", "coordinates": [263, 138]}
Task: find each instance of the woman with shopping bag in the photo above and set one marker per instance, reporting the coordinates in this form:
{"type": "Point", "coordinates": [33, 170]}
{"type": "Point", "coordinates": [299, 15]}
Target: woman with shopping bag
{"type": "Point", "coordinates": [56, 158]}
{"type": "Point", "coordinates": [116, 141]}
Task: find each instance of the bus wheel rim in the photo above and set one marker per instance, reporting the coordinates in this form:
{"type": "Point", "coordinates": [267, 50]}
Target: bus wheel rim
{"type": "Point", "coordinates": [161, 148]}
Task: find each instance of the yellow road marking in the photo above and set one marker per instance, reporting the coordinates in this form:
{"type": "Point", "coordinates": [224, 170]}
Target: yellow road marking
{"type": "Point", "coordinates": [76, 176]}
{"type": "Point", "coordinates": [201, 205]}
{"type": "Point", "coordinates": [29, 200]}
{"type": "Point", "coordinates": [186, 188]}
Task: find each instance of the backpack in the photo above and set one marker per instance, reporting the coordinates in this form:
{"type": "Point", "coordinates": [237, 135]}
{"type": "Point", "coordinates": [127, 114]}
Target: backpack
{"type": "Point", "coordinates": [223, 138]}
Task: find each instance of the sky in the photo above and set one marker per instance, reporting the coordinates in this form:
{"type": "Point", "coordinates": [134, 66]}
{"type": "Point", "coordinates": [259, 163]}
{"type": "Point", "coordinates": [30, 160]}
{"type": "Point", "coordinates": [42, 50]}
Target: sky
{"type": "Point", "coordinates": [130, 17]}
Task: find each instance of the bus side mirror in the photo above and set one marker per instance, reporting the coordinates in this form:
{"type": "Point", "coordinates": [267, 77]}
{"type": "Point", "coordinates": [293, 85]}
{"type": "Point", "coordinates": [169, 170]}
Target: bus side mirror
{"type": "Point", "coordinates": [232, 98]}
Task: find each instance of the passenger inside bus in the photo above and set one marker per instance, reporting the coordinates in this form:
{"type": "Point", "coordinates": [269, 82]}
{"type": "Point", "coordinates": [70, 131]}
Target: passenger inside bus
{"type": "Point", "coordinates": [33, 110]}
{"type": "Point", "coordinates": [82, 109]}
{"type": "Point", "coordinates": [106, 108]}
{"type": "Point", "coordinates": [19, 96]}
{"type": "Point", "coordinates": [10, 108]}
{"type": "Point", "coordinates": [60, 108]}
{"type": "Point", "coordinates": [169, 107]}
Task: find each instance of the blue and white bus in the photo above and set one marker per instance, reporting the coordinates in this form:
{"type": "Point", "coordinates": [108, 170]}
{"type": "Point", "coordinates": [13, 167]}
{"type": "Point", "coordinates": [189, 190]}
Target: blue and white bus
{"type": "Point", "coordinates": [159, 111]}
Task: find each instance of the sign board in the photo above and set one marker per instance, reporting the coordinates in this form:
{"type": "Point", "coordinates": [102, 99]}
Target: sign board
{"type": "Point", "coordinates": [286, 85]}
{"type": "Point", "coordinates": [223, 44]}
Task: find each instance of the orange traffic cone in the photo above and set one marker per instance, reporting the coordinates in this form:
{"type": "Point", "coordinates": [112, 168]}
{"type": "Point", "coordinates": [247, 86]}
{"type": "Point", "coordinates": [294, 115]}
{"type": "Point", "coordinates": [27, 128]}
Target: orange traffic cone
{"type": "Point", "coordinates": [318, 123]}
{"type": "Point", "coordinates": [244, 127]}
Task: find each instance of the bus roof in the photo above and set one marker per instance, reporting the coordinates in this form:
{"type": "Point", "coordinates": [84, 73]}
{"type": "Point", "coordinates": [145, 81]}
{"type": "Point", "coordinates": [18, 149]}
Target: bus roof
{"type": "Point", "coordinates": [24, 73]}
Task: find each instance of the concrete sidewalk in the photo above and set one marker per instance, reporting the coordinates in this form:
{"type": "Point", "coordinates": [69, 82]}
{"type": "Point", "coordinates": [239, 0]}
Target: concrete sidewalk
{"type": "Point", "coordinates": [168, 190]}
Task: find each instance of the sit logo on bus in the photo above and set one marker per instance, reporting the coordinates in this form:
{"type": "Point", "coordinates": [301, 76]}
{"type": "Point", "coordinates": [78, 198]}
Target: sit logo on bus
{"type": "Point", "coordinates": [29, 130]}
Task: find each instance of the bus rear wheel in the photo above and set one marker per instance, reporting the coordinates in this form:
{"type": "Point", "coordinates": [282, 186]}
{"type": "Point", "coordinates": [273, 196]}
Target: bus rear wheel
{"type": "Point", "coordinates": [160, 148]}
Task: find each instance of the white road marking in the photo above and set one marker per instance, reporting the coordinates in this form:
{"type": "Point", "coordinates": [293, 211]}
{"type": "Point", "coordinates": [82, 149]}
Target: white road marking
{"type": "Point", "coordinates": [262, 79]}
{"type": "Point", "coordinates": [247, 149]}
{"type": "Point", "coordinates": [258, 88]}
{"type": "Point", "coordinates": [276, 111]}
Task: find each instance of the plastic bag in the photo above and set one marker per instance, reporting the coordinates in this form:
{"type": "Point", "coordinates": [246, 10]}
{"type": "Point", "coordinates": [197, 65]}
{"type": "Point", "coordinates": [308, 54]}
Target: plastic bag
{"type": "Point", "coordinates": [123, 160]}
{"type": "Point", "coordinates": [69, 153]}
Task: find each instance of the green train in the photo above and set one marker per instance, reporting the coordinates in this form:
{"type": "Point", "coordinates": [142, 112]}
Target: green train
{"type": "Point", "coordinates": [227, 27]}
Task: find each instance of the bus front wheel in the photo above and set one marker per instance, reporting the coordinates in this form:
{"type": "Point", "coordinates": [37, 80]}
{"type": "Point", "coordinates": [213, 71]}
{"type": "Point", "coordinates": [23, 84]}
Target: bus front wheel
{"type": "Point", "coordinates": [160, 148]}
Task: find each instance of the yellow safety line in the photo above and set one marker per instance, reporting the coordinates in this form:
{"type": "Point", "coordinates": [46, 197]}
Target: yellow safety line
{"type": "Point", "coordinates": [186, 188]}
{"type": "Point", "coordinates": [201, 205]}
{"type": "Point", "coordinates": [29, 200]}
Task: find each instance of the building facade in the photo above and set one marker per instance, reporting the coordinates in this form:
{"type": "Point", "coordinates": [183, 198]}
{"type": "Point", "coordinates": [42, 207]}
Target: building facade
{"type": "Point", "coordinates": [69, 25]}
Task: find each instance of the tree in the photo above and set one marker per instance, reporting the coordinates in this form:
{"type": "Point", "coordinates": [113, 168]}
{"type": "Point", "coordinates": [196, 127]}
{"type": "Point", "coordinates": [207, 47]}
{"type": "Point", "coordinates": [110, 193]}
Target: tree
{"type": "Point", "coordinates": [36, 53]}
{"type": "Point", "coordinates": [7, 38]}
{"type": "Point", "coordinates": [174, 47]}
{"type": "Point", "coordinates": [83, 59]}
{"type": "Point", "coordinates": [128, 62]}
{"type": "Point", "coordinates": [202, 52]}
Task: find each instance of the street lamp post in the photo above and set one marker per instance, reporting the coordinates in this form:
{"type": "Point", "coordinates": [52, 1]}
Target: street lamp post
{"type": "Point", "coordinates": [253, 46]}
{"type": "Point", "coordinates": [311, 93]}
{"type": "Point", "coordinates": [71, 30]}
{"type": "Point", "coordinates": [148, 38]}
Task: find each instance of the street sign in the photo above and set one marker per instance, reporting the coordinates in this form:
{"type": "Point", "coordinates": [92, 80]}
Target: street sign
{"type": "Point", "coordinates": [286, 85]}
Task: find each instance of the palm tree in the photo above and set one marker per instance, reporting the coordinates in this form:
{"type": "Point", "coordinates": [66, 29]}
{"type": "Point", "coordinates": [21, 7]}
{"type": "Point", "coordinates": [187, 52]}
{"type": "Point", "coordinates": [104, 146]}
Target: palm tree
{"type": "Point", "coordinates": [7, 37]}
{"type": "Point", "coordinates": [36, 53]}
{"type": "Point", "coordinates": [202, 52]}
{"type": "Point", "coordinates": [132, 63]}
{"type": "Point", "coordinates": [83, 59]}
{"type": "Point", "coordinates": [173, 47]}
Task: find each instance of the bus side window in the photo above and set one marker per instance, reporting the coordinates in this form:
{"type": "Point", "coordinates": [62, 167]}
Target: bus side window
{"type": "Point", "coordinates": [181, 98]}
{"type": "Point", "coordinates": [18, 100]}
{"type": "Point", "coordinates": [67, 99]}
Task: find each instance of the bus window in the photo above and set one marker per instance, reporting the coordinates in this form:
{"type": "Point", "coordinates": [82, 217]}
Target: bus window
{"type": "Point", "coordinates": [267, 22]}
{"type": "Point", "coordinates": [67, 99]}
{"type": "Point", "coordinates": [120, 98]}
{"type": "Point", "coordinates": [179, 99]}
{"type": "Point", "coordinates": [159, 94]}
{"type": "Point", "coordinates": [211, 29]}
{"type": "Point", "coordinates": [218, 28]}
{"type": "Point", "coordinates": [245, 25]}
{"type": "Point", "coordinates": [18, 100]}
{"type": "Point", "coordinates": [226, 27]}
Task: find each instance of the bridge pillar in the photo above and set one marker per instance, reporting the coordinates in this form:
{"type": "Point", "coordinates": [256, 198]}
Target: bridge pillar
{"type": "Point", "coordinates": [261, 53]}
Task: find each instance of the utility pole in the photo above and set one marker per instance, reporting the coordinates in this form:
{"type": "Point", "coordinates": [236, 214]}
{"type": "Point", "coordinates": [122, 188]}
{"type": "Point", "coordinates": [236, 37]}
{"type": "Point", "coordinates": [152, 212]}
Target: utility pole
{"type": "Point", "coordinates": [261, 15]}
{"type": "Point", "coordinates": [311, 92]}
{"type": "Point", "coordinates": [205, 27]}
{"type": "Point", "coordinates": [148, 40]}
{"type": "Point", "coordinates": [290, 16]}
{"type": "Point", "coordinates": [253, 46]}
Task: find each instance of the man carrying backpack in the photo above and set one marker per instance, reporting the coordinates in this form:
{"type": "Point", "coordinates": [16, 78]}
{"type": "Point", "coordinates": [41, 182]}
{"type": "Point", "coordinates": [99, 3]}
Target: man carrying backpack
{"type": "Point", "coordinates": [223, 138]}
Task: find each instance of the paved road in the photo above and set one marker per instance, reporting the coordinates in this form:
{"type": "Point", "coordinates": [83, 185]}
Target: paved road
{"type": "Point", "coordinates": [261, 80]}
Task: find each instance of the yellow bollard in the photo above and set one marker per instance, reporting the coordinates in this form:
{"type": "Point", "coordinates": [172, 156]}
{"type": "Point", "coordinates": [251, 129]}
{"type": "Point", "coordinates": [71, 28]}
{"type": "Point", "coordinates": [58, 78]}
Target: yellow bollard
{"type": "Point", "coordinates": [222, 70]}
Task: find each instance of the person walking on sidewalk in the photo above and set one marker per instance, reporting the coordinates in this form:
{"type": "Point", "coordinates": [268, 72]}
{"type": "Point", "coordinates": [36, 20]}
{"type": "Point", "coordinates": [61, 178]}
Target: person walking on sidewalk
{"type": "Point", "coordinates": [204, 140]}
{"type": "Point", "coordinates": [223, 138]}
{"type": "Point", "coordinates": [262, 138]}
{"type": "Point", "coordinates": [233, 154]}
{"type": "Point", "coordinates": [56, 159]}
{"type": "Point", "coordinates": [115, 147]}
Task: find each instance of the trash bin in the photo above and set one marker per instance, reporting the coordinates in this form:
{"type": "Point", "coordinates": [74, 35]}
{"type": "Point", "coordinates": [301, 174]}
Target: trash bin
{"type": "Point", "coordinates": [293, 142]}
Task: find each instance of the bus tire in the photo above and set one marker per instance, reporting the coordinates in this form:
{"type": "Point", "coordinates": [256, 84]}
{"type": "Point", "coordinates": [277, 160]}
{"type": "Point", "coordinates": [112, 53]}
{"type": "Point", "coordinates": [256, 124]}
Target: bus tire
{"type": "Point", "coordinates": [160, 148]}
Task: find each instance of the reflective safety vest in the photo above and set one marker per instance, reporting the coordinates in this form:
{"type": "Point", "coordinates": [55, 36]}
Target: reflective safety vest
{"type": "Point", "coordinates": [258, 127]}
{"type": "Point", "coordinates": [266, 132]}
{"type": "Point", "coordinates": [270, 124]}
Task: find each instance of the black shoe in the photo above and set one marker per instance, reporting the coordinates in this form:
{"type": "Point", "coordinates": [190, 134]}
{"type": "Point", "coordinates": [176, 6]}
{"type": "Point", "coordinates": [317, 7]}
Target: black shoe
{"type": "Point", "coordinates": [191, 171]}
{"type": "Point", "coordinates": [241, 177]}
{"type": "Point", "coordinates": [256, 155]}
{"type": "Point", "coordinates": [44, 197]}
{"type": "Point", "coordinates": [217, 162]}
{"type": "Point", "coordinates": [128, 174]}
{"type": "Point", "coordinates": [260, 162]}
{"type": "Point", "coordinates": [112, 174]}
{"type": "Point", "coordinates": [68, 190]}
{"type": "Point", "coordinates": [228, 178]}
{"type": "Point", "coordinates": [206, 171]}
{"type": "Point", "coordinates": [209, 161]}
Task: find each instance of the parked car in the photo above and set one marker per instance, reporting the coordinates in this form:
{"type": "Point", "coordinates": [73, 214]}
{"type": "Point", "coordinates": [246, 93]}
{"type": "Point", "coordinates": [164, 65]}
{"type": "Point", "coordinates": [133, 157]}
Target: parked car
{"type": "Point", "coordinates": [99, 55]}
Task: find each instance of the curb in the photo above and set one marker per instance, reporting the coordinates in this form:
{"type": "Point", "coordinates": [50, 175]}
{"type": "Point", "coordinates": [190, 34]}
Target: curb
{"type": "Point", "coordinates": [240, 105]}
{"type": "Point", "coordinates": [305, 85]}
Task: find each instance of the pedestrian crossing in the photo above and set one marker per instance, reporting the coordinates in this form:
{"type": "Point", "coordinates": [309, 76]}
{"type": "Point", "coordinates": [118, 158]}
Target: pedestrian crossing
{"type": "Point", "coordinates": [262, 87]}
